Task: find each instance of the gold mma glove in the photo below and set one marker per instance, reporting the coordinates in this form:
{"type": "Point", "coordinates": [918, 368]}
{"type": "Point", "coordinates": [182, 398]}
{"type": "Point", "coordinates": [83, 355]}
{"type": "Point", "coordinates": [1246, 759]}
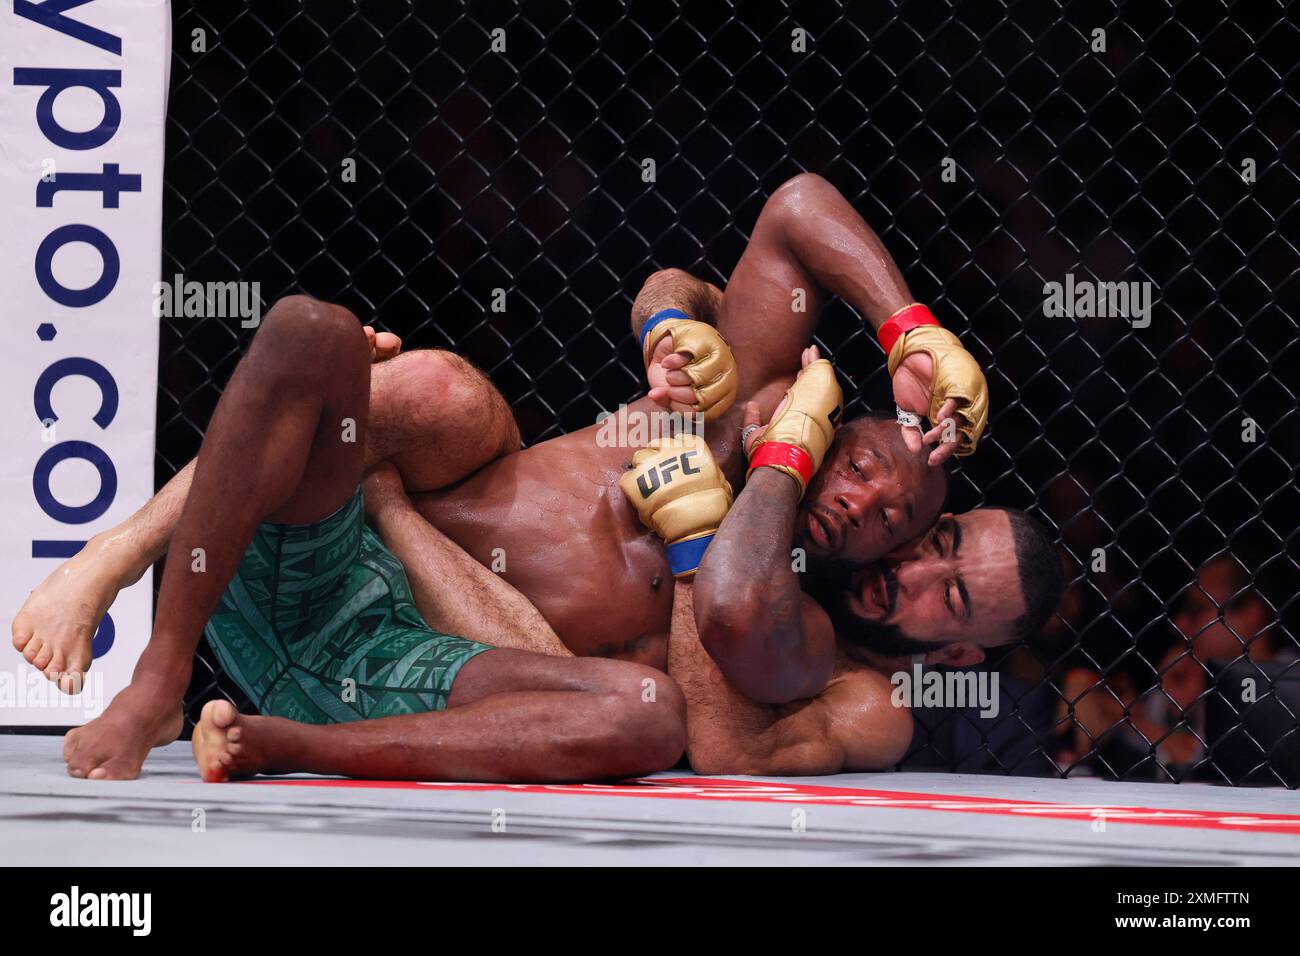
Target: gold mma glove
{"type": "Point", "coordinates": [678, 490]}
{"type": "Point", "coordinates": [712, 368]}
{"type": "Point", "coordinates": [957, 375]}
{"type": "Point", "coordinates": [795, 441]}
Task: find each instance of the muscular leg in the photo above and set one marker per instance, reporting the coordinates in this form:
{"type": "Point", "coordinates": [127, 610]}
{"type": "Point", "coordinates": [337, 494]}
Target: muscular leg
{"type": "Point", "coordinates": [513, 717]}
{"type": "Point", "coordinates": [285, 444]}
{"type": "Point", "coordinates": [433, 414]}
{"type": "Point", "coordinates": [437, 418]}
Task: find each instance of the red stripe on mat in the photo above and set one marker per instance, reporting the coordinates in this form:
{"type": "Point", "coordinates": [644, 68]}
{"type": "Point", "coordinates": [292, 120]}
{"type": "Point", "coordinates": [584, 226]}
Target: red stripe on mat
{"type": "Point", "coordinates": [707, 788]}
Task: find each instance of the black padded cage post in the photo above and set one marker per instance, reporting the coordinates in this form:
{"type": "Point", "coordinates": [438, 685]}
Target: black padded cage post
{"type": "Point", "coordinates": [996, 148]}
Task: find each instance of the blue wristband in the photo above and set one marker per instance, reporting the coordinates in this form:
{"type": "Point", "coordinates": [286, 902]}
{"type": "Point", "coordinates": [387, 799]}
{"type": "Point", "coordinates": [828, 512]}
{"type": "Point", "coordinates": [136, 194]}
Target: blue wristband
{"type": "Point", "coordinates": [658, 317]}
{"type": "Point", "coordinates": [686, 556]}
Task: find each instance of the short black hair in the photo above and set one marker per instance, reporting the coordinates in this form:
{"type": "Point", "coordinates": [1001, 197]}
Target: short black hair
{"type": "Point", "coordinates": [1038, 566]}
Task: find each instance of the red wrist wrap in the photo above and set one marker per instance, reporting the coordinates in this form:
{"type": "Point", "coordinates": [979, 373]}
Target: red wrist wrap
{"type": "Point", "coordinates": [903, 321]}
{"type": "Point", "coordinates": [780, 453]}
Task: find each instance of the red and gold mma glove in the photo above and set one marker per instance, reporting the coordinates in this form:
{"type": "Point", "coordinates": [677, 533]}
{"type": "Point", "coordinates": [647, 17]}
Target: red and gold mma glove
{"type": "Point", "coordinates": [957, 375]}
{"type": "Point", "coordinates": [796, 439]}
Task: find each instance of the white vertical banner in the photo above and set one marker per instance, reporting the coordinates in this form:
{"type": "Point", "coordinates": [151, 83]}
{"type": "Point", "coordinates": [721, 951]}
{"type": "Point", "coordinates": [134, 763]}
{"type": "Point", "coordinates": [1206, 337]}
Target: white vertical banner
{"type": "Point", "coordinates": [83, 100]}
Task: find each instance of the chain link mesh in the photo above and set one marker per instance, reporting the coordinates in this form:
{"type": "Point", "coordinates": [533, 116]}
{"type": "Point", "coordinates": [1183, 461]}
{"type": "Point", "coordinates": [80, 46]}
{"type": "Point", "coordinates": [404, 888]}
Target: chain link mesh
{"type": "Point", "coordinates": [478, 170]}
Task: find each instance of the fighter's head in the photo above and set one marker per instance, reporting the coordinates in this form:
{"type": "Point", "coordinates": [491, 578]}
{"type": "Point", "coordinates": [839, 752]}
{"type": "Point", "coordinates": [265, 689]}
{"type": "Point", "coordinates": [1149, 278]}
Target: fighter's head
{"type": "Point", "coordinates": [870, 495]}
{"type": "Point", "coordinates": [974, 581]}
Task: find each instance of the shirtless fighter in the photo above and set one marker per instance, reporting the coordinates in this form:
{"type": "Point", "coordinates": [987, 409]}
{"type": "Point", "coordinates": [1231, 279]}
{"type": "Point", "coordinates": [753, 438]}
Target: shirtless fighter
{"type": "Point", "coordinates": [555, 510]}
{"type": "Point", "coordinates": [313, 617]}
{"type": "Point", "coordinates": [971, 582]}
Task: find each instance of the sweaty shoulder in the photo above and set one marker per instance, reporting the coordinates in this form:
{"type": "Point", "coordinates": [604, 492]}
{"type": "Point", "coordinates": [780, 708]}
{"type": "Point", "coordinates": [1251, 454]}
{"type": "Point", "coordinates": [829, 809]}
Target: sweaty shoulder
{"type": "Point", "coordinates": [873, 733]}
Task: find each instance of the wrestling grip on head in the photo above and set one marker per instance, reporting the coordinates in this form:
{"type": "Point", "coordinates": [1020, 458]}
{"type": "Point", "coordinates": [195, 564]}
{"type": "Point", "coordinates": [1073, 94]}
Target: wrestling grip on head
{"type": "Point", "coordinates": [957, 375]}
{"type": "Point", "coordinates": [803, 427]}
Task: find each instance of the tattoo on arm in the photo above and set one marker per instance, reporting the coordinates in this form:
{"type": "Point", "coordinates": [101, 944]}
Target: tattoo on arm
{"type": "Point", "coordinates": [749, 600]}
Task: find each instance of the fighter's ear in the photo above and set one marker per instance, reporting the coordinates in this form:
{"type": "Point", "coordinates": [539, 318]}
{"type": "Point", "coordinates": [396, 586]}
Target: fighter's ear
{"type": "Point", "coordinates": [960, 654]}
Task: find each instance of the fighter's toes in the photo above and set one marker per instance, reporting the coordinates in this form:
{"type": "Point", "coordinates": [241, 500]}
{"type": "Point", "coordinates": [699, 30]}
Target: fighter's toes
{"type": "Point", "coordinates": [32, 648]}
{"type": "Point", "coordinates": [54, 667]}
{"type": "Point", "coordinates": [44, 658]}
{"type": "Point", "coordinates": [71, 682]}
{"type": "Point", "coordinates": [78, 660]}
{"type": "Point", "coordinates": [22, 632]}
{"type": "Point", "coordinates": [216, 741]}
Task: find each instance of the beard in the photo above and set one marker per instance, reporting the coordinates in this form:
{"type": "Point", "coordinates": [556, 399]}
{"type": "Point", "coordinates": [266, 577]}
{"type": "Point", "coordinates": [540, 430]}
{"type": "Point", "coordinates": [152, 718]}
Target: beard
{"type": "Point", "coordinates": [877, 637]}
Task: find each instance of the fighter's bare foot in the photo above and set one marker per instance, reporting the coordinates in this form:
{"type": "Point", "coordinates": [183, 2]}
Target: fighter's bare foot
{"type": "Point", "coordinates": [228, 744]}
{"type": "Point", "coordinates": [115, 744]}
{"type": "Point", "coordinates": [56, 624]}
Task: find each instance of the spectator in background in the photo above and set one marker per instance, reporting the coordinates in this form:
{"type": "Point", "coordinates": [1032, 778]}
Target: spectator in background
{"type": "Point", "coordinates": [1219, 619]}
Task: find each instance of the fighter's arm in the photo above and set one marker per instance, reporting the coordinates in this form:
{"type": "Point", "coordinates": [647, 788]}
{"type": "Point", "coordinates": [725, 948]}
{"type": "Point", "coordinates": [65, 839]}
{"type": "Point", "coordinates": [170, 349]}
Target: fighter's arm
{"type": "Point", "coordinates": [129, 549]}
{"type": "Point", "coordinates": [749, 614]}
{"type": "Point", "coordinates": [772, 641]}
{"type": "Point", "coordinates": [809, 240]}
{"type": "Point", "coordinates": [806, 231]}
{"type": "Point", "coordinates": [689, 367]}
{"type": "Point", "coordinates": [851, 725]}
{"type": "Point", "coordinates": [452, 591]}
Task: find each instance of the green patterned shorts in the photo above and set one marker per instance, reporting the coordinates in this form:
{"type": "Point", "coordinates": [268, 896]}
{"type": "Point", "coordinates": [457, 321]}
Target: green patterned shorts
{"type": "Point", "coordinates": [318, 625]}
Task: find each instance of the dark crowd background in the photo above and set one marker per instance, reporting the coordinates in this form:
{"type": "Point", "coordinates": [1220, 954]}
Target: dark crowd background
{"type": "Point", "coordinates": [478, 170]}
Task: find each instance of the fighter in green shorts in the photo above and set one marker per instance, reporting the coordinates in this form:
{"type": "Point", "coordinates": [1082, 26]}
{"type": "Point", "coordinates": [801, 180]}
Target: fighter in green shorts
{"type": "Point", "coordinates": [318, 625]}
{"type": "Point", "coordinates": [314, 618]}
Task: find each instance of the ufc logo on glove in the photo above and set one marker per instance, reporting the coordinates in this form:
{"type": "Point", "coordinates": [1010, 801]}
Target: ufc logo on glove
{"type": "Point", "coordinates": [650, 480]}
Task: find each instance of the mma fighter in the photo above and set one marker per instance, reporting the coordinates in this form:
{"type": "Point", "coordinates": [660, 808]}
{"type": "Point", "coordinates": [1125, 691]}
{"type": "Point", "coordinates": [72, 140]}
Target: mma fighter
{"type": "Point", "coordinates": [555, 509]}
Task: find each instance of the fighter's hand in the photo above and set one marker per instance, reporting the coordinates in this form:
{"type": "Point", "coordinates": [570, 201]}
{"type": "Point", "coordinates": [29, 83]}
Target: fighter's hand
{"type": "Point", "coordinates": [954, 399]}
{"type": "Point", "coordinates": [796, 438]}
{"type": "Point", "coordinates": [383, 345]}
{"type": "Point", "coordinates": [690, 368]}
{"type": "Point", "coordinates": [753, 416]}
{"type": "Point", "coordinates": [912, 393]}
{"type": "Point", "coordinates": [676, 488]}
{"type": "Point", "coordinates": [670, 387]}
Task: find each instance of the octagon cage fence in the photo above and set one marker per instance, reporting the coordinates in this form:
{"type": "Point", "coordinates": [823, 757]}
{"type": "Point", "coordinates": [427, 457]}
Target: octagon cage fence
{"type": "Point", "coordinates": [996, 147]}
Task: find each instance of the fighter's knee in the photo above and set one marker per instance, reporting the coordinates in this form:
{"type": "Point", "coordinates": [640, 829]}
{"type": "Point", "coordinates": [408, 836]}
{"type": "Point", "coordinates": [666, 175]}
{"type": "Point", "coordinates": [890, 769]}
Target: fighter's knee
{"type": "Point", "coordinates": [321, 327]}
{"type": "Point", "coordinates": [438, 374]}
{"type": "Point", "coordinates": [459, 390]}
{"type": "Point", "coordinates": [297, 309]}
{"type": "Point", "coordinates": [667, 693]}
{"type": "Point", "coordinates": [671, 275]}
